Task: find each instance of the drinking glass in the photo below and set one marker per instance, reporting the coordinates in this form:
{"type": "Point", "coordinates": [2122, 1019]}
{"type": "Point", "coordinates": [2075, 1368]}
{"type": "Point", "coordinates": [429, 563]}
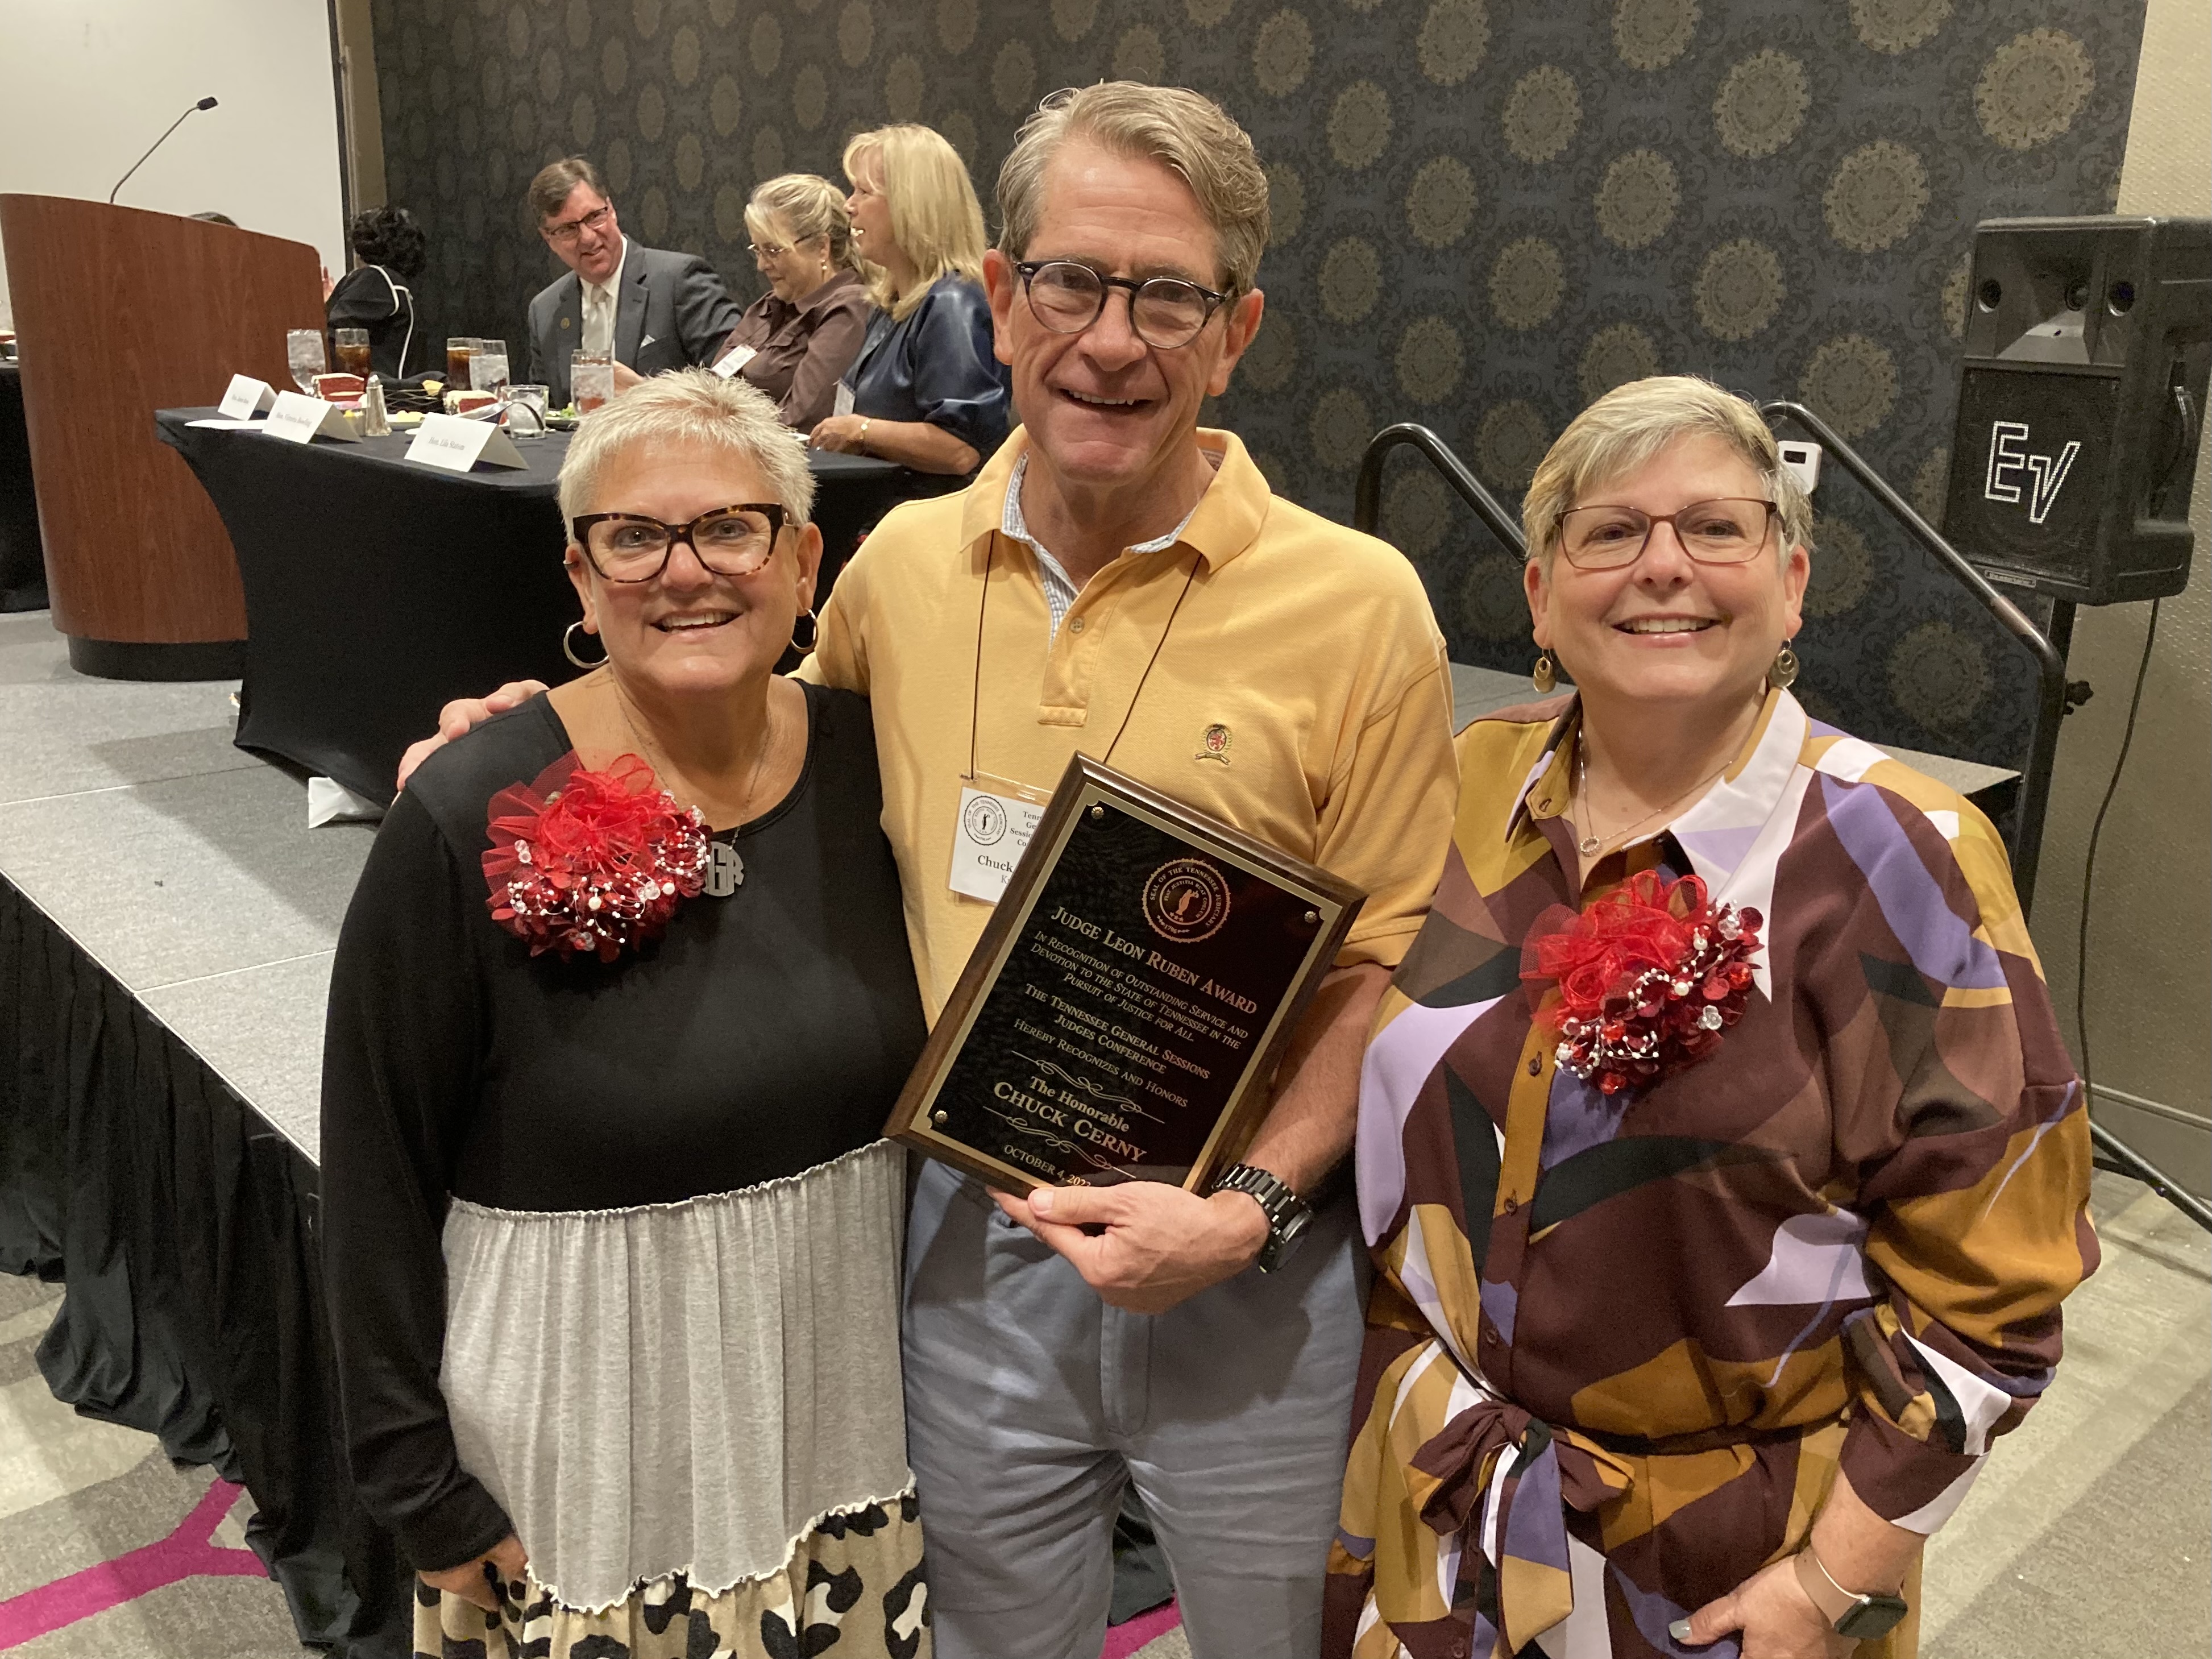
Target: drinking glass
{"type": "Point", "coordinates": [459, 349]}
{"type": "Point", "coordinates": [591, 379]}
{"type": "Point", "coordinates": [303, 355]}
{"type": "Point", "coordinates": [351, 345]}
{"type": "Point", "coordinates": [537, 399]}
{"type": "Point", "coordinates": [488, 367]}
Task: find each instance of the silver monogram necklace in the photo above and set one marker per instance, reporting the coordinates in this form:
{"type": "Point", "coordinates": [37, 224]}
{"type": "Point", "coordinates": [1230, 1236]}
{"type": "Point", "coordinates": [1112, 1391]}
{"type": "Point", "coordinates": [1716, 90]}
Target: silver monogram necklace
{"type": "Point", "coordinates": [726, 869]}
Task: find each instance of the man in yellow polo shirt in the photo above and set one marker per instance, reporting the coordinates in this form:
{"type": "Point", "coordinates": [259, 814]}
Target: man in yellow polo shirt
{"type": "Point", "coordinates": [1122, 582]}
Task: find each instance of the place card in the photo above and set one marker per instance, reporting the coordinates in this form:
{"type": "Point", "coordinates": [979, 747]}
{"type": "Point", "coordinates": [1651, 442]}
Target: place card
{"type": "Point", "coordinates": [457, 445]}
{"type": "Point", "coordinates": [246, 396]}
{"type": "Point", "coordinates": [300, 419]}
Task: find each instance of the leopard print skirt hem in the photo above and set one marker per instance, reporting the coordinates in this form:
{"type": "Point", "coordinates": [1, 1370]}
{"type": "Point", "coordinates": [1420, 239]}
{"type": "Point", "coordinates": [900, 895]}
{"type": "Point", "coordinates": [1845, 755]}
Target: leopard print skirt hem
{"type": "Point", "coordinates": [853, 1590]}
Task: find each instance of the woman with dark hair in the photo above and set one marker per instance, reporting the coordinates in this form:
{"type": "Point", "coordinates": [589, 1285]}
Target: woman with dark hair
{"type": "Point", "coordinates": [387, 250]}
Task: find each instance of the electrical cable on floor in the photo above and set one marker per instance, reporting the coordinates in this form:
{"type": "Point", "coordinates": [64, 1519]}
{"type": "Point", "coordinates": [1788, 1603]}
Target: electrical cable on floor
{"type": "Point", "coordinates": [2089, 863]}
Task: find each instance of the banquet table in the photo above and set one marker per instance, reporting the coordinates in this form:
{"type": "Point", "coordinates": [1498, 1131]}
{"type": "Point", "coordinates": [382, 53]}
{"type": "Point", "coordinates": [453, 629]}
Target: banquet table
{"type": "Point", "coordinates": [379, 589]}
{"type": "Point", "coordinates": [22, 559]}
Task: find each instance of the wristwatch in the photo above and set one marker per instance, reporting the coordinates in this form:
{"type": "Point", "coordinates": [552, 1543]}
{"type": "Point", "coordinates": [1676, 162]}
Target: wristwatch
{"type": "Point", "coordinates": [1287, 1213]}
{"type": "Point", "coordinates": [1861, 1617]}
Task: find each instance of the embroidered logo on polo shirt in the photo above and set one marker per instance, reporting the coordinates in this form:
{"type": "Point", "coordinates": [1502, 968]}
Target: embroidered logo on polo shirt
{"type": "Point", "coordinates": [1214, 744]}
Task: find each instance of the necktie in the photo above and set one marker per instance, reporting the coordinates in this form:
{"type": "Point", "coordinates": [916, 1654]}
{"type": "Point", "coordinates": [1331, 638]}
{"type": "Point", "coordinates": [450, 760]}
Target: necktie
{"type": "Point", "coordinates": [599, 319]}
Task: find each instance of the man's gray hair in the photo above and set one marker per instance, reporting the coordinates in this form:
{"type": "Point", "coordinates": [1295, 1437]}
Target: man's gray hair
{"type": "Point", "coordinates": [1629, 426]}
{"type": "Point", "coordinates": [1185, 132]}
{"type": "Point", "coordinates": [556, 179]}
{"type": "Point", "coordinates": [696, 408]}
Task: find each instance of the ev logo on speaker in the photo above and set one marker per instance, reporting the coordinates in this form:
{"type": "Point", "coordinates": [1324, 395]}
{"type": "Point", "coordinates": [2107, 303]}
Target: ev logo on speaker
{"type": "Point", "coordinates": [2010, 466]}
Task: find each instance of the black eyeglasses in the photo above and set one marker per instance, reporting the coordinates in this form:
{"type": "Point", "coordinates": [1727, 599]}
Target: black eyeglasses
{"type": "Point", "coordinates": [1166, 312]}
{"type": "Point", "coordinates": [1729, 530]}
{"type": "Point", "coordinates": [630, 547]}
{"type": "Point", "coordinates": [569, 229]}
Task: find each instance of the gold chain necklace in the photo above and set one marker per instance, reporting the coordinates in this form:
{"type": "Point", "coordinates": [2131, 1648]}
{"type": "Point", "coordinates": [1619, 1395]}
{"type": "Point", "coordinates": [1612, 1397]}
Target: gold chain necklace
{"type": "Point", "coordinates": [725, 873]}
{"type": "Point", "coordinates": [1587, 845]}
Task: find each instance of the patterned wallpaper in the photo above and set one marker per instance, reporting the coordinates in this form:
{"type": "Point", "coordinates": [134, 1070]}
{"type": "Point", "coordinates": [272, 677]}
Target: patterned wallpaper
{"type": "Point", "coordinates": [1486, 214]}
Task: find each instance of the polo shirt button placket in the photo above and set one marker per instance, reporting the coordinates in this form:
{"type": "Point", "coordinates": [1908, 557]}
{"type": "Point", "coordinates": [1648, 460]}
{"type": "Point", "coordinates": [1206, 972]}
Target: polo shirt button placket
{"type": "Point", "coordinates": [1075, 625]}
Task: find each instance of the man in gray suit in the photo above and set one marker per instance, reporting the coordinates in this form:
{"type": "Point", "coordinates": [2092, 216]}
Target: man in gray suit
{"type": "Point", "coordinates": [652, 309]}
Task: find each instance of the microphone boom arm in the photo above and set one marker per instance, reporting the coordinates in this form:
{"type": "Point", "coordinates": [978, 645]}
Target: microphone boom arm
{"type": "Point", "coordinates": [205, 103]}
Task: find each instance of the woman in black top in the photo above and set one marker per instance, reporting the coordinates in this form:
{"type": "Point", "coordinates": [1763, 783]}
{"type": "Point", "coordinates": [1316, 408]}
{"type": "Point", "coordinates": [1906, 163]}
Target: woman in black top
{"type": "Point", "coordinates": [387, 250]}
{"type": "Point", "coordinates": [610, 1235]}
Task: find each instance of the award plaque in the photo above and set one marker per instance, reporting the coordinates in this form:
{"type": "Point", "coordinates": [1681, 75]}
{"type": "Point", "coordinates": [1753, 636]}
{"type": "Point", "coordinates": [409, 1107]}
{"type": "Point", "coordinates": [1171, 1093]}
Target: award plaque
{"type": "Point", "coordinates": [1122, 1015]}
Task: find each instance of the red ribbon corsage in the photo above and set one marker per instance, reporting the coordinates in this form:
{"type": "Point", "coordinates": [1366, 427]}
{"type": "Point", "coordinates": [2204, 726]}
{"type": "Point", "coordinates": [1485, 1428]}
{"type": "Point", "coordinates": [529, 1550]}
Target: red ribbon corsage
{"type": "Point", "coordinates": [1650, 976]}
{"type": "Point", "coordinates": [591, 863]}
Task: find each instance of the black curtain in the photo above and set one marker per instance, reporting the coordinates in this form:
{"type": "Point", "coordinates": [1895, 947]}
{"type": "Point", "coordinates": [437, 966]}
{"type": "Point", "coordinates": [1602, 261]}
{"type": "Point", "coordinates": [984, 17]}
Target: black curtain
{"type": "Point", "coordinates": [183, 1226]}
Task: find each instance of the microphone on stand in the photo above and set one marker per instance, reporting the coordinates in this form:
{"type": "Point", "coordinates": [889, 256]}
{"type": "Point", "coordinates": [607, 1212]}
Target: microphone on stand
{"type": "Point", "coordinates": [205, 103]}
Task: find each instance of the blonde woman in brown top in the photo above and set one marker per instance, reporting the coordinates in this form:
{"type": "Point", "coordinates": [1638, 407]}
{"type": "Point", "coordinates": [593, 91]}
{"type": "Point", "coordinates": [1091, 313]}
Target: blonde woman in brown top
{"type": "Point", "coordinates": [800, 337]}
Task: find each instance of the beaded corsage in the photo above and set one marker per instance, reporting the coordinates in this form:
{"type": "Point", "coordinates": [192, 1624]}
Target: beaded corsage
{"type": "Point", "coordinates": [591, 863]}
{"type": "Point", "coordinates": [1650, 976]}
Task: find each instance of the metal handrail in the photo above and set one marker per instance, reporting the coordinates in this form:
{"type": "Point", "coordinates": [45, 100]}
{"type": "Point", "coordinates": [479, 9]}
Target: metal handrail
{"type": "Point", "coordinates": [1367, 493]}
{"type": "Point", "coordinates": [2034, 798]}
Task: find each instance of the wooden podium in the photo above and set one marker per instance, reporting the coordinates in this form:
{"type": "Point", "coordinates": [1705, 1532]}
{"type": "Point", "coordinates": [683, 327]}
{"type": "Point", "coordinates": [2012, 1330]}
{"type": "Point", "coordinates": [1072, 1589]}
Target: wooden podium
{"type": "Point", "coordinates": [118, 313]}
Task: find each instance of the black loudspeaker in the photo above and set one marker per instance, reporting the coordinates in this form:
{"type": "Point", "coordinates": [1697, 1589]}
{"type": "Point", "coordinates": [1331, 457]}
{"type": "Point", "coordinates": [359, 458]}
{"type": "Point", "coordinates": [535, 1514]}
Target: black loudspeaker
{"type": "Point", "coordinates": [2081, 401]}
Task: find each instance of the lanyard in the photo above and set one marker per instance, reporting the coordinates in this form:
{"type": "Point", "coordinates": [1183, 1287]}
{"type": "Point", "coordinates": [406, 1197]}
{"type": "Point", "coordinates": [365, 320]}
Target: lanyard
{"type": "Point", "coordinates": [975, 697]}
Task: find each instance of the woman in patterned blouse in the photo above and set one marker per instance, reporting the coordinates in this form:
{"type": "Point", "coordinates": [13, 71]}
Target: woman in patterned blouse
{"type": "Point", "coordinates": [1722, 1222]}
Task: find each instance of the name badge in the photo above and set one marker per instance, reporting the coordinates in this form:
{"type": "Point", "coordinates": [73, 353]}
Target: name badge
{"type": "Point", "coordinates": [456, 445]}
{"type": "Point", "coordinates": [247, 397]}
{"type": "Point", "coordinates": [997, 819]}
{"type": "Point", "coordinates": [300, 419]}
{"type": "Point", "coordinates": [843, 405]}
{"type": "Point", "coordinates": [734, 359]}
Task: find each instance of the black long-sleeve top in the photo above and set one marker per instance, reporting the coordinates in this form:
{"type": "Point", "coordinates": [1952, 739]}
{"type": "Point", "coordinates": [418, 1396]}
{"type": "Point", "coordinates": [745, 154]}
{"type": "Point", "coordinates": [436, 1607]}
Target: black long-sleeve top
{"type": "Point", "coordinates": [764, 1034]}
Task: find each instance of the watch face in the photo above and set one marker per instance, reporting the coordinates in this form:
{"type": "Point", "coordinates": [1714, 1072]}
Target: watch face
{"type": "Point", "coordinates": [1875, 1616]}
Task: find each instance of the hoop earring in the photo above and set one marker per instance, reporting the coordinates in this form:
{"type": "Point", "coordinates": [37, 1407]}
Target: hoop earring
{"type": "Point", "coordinates": [813, 633]}
{"type": "Point", "coordinates": [569, 647]}
{"type": "Point", "coordinates": [1782, 672]}
{"type": "Point", "coordinates": [1545, 676]}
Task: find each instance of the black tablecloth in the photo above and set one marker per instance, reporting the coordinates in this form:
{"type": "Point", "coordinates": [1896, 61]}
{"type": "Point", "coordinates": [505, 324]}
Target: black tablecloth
{"type": "Point", "coordinates": [22, 560]}
{"type": "Point", "coordinates": [376, 590]}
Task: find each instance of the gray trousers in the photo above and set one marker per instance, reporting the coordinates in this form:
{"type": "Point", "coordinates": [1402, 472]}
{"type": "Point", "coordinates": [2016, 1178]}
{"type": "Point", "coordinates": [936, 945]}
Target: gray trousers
{"type": "Point", "coordinates": [1030, 1402]}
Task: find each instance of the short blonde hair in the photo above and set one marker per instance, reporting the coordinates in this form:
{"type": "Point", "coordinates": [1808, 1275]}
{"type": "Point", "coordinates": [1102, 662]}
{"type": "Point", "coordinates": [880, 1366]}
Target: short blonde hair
{"type": "Point", "coordinates": [690, 406]}
{"type": "Point", "coordinates": [1628, 426]}
{"type": "Point", "coordinates": [1190, 135]}
{"type": "Point", "coordinates": [806, 205]}
{"type": "Point", "coordinates": [935, 217]}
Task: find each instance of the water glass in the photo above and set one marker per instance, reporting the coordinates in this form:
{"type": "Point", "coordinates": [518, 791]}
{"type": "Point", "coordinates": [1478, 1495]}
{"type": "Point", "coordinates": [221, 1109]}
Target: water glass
{"type": "Point", "coordinates": [303, 355]}
{"type": "Point", "coordinates": [591, 379]}
{"type": "Point", "coordinates": [488, 367]}
{"type": "Point", "coordinates": [536, 400]}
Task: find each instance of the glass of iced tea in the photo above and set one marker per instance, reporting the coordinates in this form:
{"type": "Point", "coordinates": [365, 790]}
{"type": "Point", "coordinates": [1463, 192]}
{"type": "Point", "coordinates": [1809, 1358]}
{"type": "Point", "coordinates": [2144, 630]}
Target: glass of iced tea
{"type": "Point", "coordinates": [591, 379]}
{"type": "Point", "coordinates": [351, 345]}
{"type": "Point", "coordinates": [459, 348]}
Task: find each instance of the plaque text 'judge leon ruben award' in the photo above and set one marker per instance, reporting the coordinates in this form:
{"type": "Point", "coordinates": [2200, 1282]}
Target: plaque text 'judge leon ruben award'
{"type": "Point", "coordinates": [1124, 1012]}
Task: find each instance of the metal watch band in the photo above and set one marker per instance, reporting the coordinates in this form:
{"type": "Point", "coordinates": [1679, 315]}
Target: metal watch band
{"type": "Point", "coordinates": [1287, 1213]}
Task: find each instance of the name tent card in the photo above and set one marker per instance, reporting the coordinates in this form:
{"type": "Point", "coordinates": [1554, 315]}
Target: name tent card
{"type": "Point", "coordinates": [247, 397]}
{"type": "Point", "coordinates": [456, 445]}
{"type": "Point", "coordinates": [1122, 1016]}
{"type": "Point", "coordinates": [300, 419]}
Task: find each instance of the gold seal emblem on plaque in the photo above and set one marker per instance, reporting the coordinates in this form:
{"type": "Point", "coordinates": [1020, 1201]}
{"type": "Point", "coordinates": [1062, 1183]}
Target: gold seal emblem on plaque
{"type": "Point", "coordinates": [1186, 900]}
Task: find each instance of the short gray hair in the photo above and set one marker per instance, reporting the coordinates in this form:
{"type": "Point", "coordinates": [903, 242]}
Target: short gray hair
{"type": "Point", "coordinates": [689, 406]}
{"type": "Point", "coordinates": [1630, 424]}
{"type": "Point", "coordinates": [1185, 132]}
